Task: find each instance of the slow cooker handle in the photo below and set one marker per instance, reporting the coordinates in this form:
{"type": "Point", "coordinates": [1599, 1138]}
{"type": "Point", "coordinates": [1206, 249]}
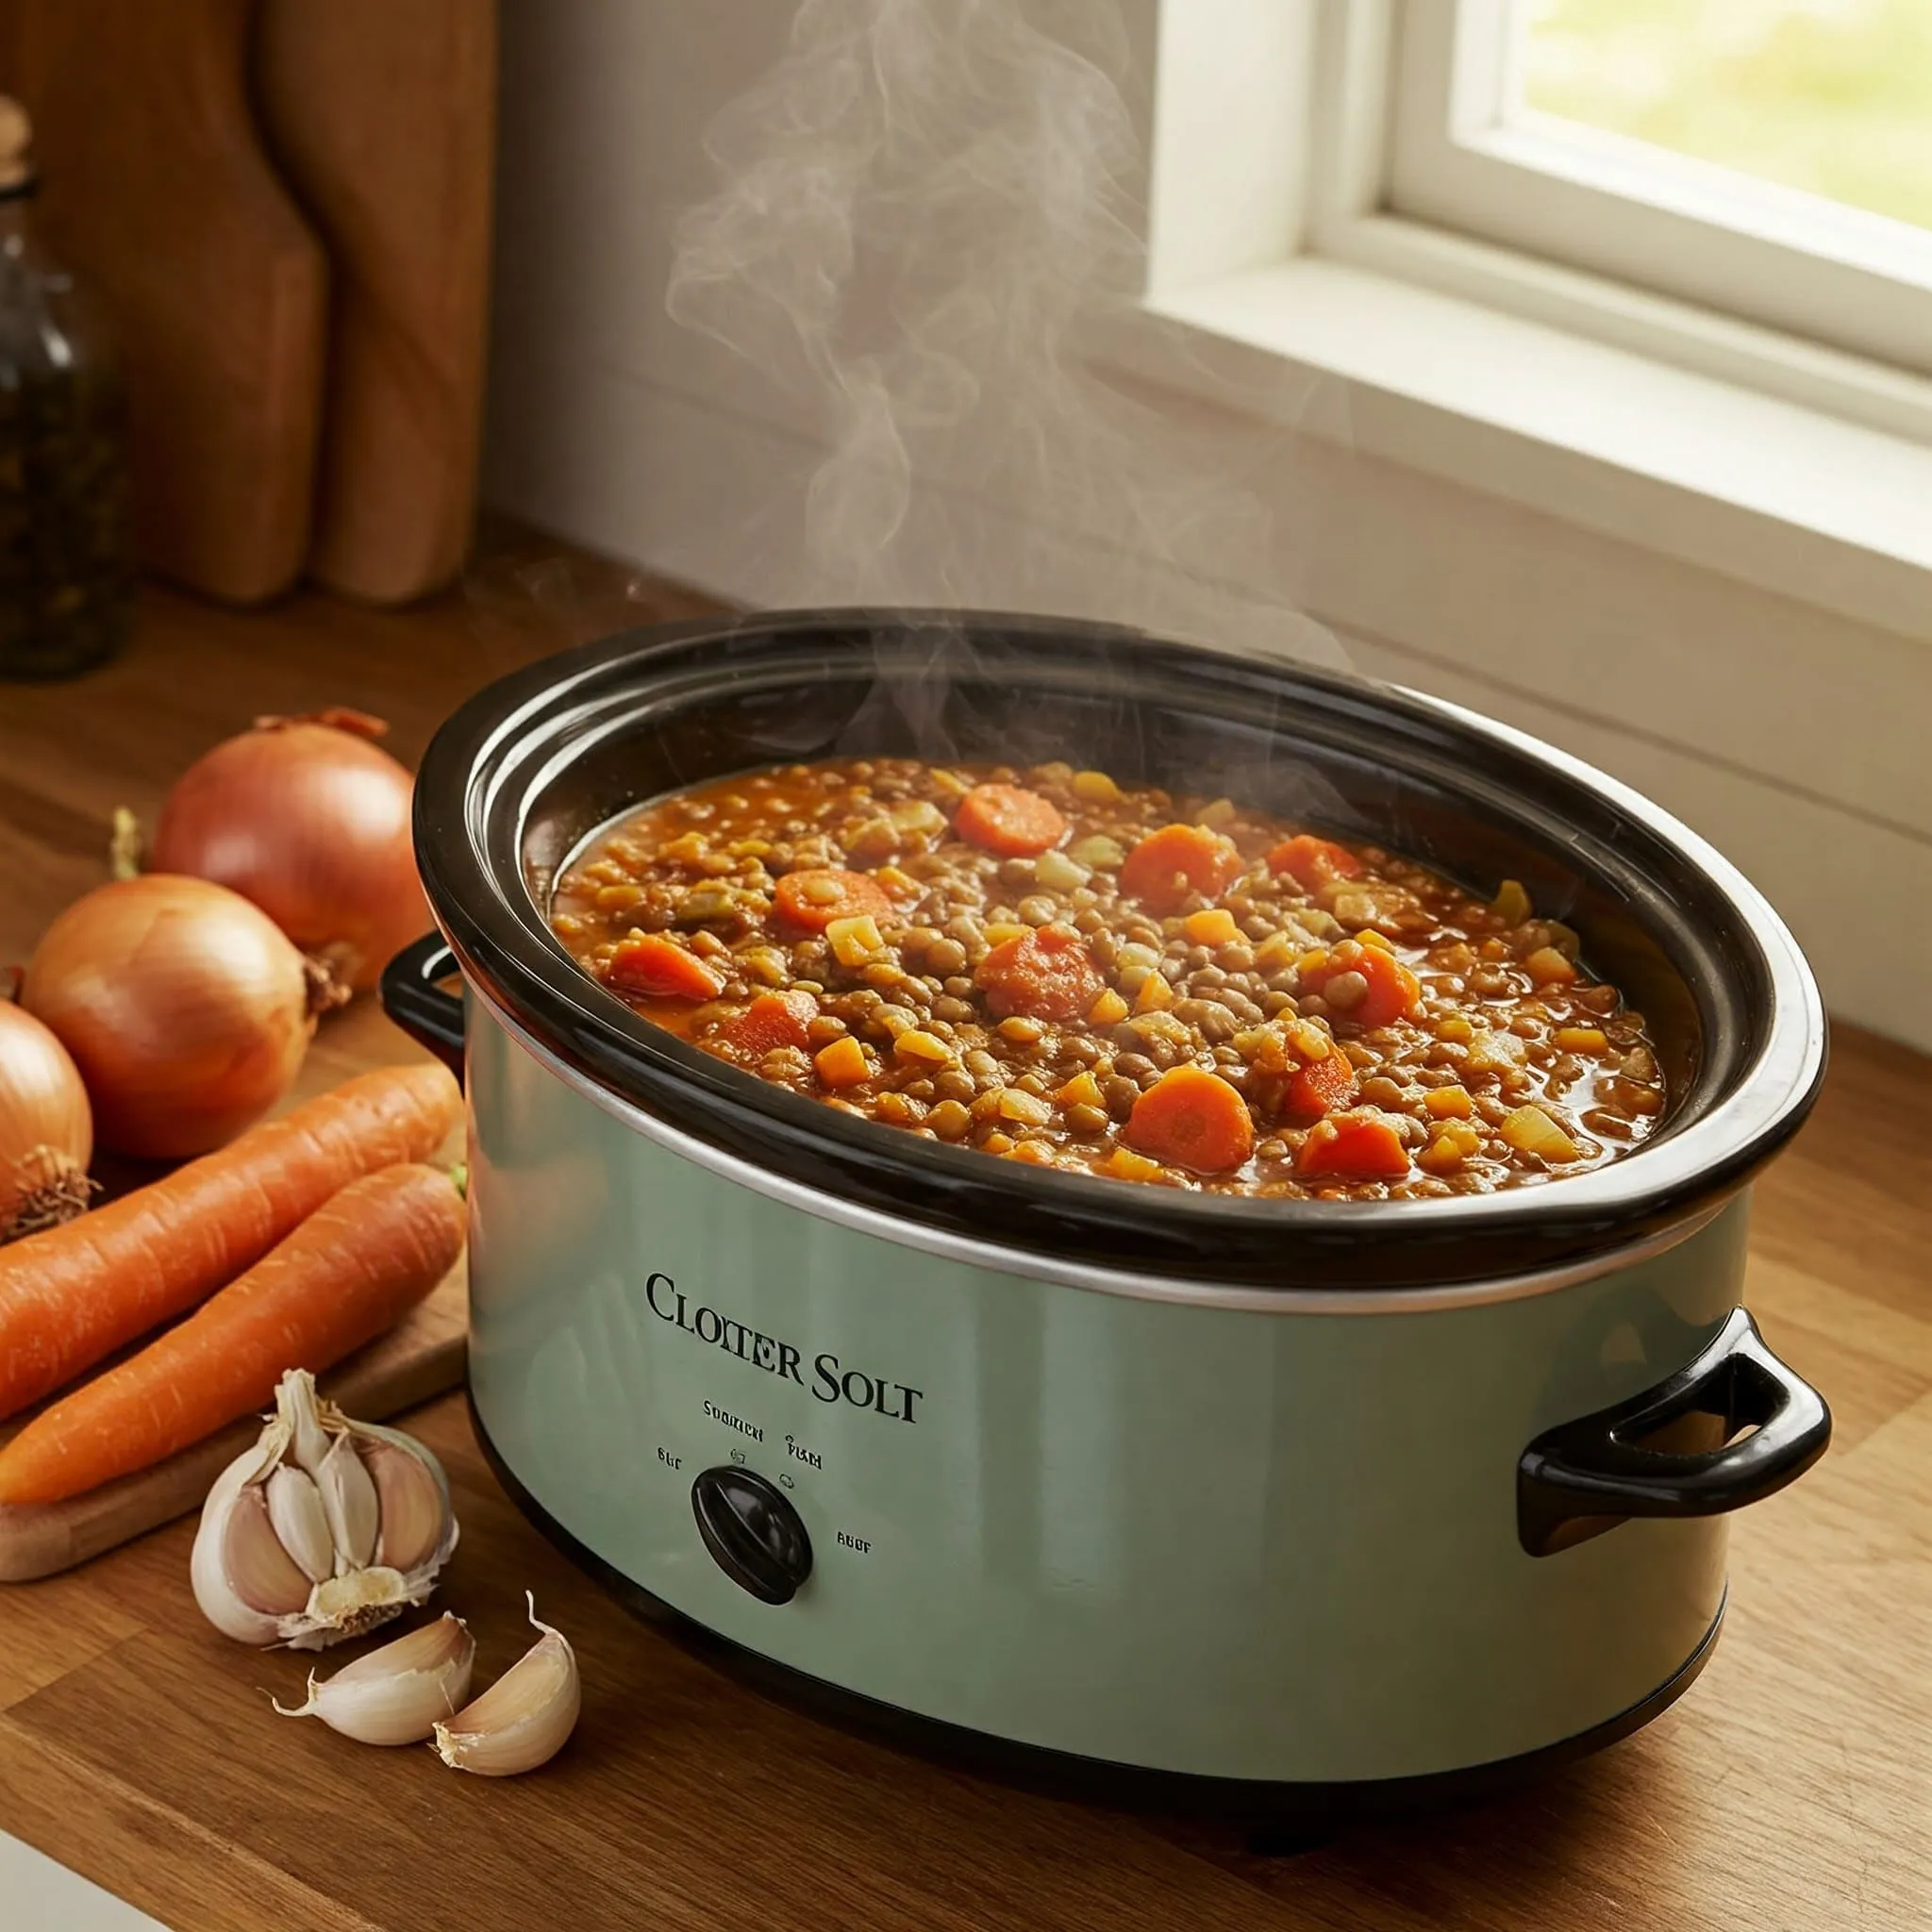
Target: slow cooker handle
{"type": "Point", "coordinates": [413, 999]}
{"type": "Point", "coordinates": [1588, 1476]}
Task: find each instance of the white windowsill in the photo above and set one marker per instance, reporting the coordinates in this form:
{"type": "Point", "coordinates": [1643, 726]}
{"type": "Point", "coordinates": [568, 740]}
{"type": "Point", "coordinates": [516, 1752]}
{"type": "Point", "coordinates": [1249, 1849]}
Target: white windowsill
{"type": "Point", "coordinates": [1776, 493]}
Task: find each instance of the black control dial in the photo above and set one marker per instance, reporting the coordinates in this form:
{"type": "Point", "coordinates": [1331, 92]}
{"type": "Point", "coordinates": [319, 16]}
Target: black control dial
{"type": "Point", "coordinates": [751, 1531]}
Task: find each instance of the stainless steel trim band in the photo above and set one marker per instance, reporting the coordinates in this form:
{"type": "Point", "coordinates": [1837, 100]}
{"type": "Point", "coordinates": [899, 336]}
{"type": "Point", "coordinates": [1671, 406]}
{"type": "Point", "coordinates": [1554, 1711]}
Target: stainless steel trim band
{"type": "Point", "coordinates": [1099, 1280]}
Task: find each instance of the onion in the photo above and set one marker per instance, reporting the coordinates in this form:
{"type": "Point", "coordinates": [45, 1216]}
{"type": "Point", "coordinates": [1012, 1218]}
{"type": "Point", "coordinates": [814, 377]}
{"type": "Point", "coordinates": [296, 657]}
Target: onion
{"type": "Point", "coordinates": [309, 819]}
{"type": "Point", "coordinates": [185, 1008]}
{"type": "Point", "coordinates": [46, 1131]}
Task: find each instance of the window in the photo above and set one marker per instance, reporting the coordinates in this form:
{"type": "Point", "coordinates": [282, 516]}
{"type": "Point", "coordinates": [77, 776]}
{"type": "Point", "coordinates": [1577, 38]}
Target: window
{"type": "Point", "coordinates": [1768, 159]}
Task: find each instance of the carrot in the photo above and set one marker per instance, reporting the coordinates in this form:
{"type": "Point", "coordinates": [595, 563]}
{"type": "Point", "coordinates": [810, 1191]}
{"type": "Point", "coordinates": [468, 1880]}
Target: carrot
{"type": "Point", "coordinates": [1046, 974]}
{"type": "Point", "coordinates": [1323, 1086]}
{"type": "Point", "coordinates": [814, 898]}
{"type": "Point", "coordinates": [1394, 992]}
{"type": "Point", "coordinates": [1192, 1118]}
{"type": "Point", "coordinates": [1314, 861]}
{"type": "Point", "coordinates": [651, 964]}
{"type": "Point", "coordinates": [773, 1020]}
{"type": "Point", "coordinates": [1169, 864]}
{"type": "Point", "coordinates": [1009, 820]}
{"type": "Point", "coordinates": [1363, 1145]}
{"type": "Point", "coordinates": [74, 1293]}
{"type": "Point", "coordinates": [344, 1276]}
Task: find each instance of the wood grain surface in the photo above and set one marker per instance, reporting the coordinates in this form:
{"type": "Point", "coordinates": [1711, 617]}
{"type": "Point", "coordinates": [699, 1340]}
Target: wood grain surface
{"type": "Point", "coordinates": [382, 114]}
{"type": "Point", "coordinates": [1791, 1791]}
{"type": "Point", "coordinates": [154, 187]}
{"type": "Point", "coordinates": [420, 1358]}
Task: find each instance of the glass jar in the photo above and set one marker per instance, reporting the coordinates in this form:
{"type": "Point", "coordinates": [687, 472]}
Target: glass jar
{"type": "Point", "coordinates": [66, 556]}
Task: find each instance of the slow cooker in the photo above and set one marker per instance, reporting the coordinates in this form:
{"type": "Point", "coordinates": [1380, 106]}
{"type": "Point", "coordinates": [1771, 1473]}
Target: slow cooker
{"type": "Point", "coordinates": [1292, 1510]}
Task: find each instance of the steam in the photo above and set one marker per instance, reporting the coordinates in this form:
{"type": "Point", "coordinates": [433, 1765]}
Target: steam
{"type": "Point", "coordinates": [925, 212]}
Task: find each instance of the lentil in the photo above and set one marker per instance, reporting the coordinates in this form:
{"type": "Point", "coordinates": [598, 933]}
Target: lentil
{"type": "Point", "coordinates": [1024, 1005]}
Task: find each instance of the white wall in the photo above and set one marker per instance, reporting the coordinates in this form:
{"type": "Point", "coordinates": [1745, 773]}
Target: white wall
{"type": "Point", "coordinates": [1790, 736]}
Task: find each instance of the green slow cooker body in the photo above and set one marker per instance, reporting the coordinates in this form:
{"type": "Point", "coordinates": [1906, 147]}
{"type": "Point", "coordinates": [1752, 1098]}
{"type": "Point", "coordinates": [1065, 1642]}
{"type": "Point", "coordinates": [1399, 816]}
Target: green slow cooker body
{"type": "Point", "coordinates": [1277, 1546]}
{"type": "Point", "coordinates": [1229, 1495]}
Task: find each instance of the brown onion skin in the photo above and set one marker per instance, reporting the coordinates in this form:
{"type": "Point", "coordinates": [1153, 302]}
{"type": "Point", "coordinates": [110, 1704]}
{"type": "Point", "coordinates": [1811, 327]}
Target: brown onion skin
{"type": "Point", "coordinates": [185, 1008]}
{"type": "Point", "coordinates": [312, 823]}
{"type": "Point", "coordinates": [46, 1128]}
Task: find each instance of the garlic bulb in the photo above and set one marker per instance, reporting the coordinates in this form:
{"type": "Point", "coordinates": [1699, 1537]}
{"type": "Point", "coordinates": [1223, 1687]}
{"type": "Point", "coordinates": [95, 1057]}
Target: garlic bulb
{"type": "Point", "coordinates": [324, 1529]}
{"type": "Point", "coordinates": [523, 1717]}
{"type": "Point", "coordinates": [395, 1695]}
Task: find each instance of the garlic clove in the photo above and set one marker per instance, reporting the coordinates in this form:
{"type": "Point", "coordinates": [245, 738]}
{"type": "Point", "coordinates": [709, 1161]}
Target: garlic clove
{"type": "Point", "coordinates": [349, 1501]}
{"type": "Point", "coordinates": [523, 1717]}
{"type": "Point", "coordinates": [295, 1406]}
{"type": "Point", "coordinates": [395, 1695]}
{"type": "Point", "coordinates": [216, 1588]}
{"type": "Point", "coordinates": [261, 1571]}
{"type": "Point", "coordinates": [412, 1507]}
{"type": "Point", "coordinates": [295, 1507]}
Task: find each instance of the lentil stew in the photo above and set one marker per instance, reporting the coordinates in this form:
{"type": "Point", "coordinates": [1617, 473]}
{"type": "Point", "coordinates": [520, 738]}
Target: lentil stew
{"type": "Point", "coordinates": [1060, 969]}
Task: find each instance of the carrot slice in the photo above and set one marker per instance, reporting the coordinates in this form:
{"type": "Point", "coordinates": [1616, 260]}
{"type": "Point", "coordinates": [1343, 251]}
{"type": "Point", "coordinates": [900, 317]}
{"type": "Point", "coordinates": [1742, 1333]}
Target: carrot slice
{"type": "Point", "coordinates": [773, 1020]}
{"type": "Point", "coordinates": [1323, 1086]}
{"type": "Point", "coordinates": [1394, 992]}
{"type": "Point", "coordinates": [1314, 861]}
{"type": "Point", "coordinates": [1047, 973]}
{"type": "Point", "coordinates": [814, 898]}
{"type": "Point", "coordinates": [1359, 1146]}
{"type": "Point", "coordinates": [1169, 864]}
{"type": "Point", "coordinates": [1009, 820]}
{"type": "Point", "coordinates": [1192, 1118]}
{"type": "Point", "coordinates": [74, 1293]}
{"type": "Point", "coordinates": [652, 964]}
{"type": "Point", "coordinates": [342, 1278]}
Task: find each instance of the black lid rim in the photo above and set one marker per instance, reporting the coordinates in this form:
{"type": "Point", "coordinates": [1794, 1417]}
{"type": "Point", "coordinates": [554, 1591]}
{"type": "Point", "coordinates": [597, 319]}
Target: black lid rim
{"type": "Point", "coordinates": [503, 945]}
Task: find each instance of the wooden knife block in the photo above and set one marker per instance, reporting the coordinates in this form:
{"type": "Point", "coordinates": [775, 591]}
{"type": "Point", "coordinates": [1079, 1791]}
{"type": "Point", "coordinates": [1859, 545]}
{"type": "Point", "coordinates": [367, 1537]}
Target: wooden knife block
{"type": "Point", "coordinates": [285, 206]}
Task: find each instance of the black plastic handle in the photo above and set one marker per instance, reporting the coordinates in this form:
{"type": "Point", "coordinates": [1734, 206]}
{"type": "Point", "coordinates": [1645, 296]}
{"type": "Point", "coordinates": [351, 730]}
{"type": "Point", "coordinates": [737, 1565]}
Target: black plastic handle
{"type": "Point", "coordinates": [413, 999]}
{"type": "Point", "coordinates": [1668, 1452]}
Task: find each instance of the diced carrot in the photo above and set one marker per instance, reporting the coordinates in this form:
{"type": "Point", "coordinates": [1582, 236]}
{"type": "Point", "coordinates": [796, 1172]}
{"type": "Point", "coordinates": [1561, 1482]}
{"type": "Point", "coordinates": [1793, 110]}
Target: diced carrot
{"type": "Point", "coordinates": [1394, 992]}
{"type": "Point", "coordinates": [843, 1064]}
{"type": "Point", "coordinates": [812, 898]}
{"type": "Point", "coordinates": [1083, 1089]}
{"type": "Point", "coordinates": [1126, 1165]}
{"type": "Point", "coordinates": [1359, 1146]}
{"type": "Point", "coordinates": [1323, 1086]}
{"type": "Point", "coordinates": [1314, 861]}
{"type": "Point", "coordinates": [1046, 974]}
{"type": "Point", "coordinates": [1155, 996]}
{"type": "Point", "coordinates": [771, 1020]}
{"type": "Point", "coordinates": [1169, 864]}
{"type": "Point", "coordinates": [652, 964]}
{"type": "Point", "coordinates": [1033, 1153]}
{"type": "Point", "coordinates": [1192, 1118]}
{"type": "Point", "coordinates": [1211, 927]}
{"type": "Point", "coordinates": [1009, 820]}
{"type": "Point", "coordinates": [1589, 1040]}
{"type": "Point", "coordinates": [1548, 967]}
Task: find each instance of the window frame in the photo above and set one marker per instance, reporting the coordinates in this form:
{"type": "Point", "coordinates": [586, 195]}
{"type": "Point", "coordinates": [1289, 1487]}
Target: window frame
{"type": "Point", "coordinates": [1270, 151]}
{"type": "Point", "coordinates": [1458, 156]}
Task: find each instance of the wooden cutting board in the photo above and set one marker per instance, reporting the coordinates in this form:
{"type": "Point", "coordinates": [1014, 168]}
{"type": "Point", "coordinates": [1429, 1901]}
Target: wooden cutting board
{"type": "Point", "coordinates": [381, 115]}
{"type": "Point", "coordinates": [422, 1355]}
{"type": "Point", "coordinates": [156, 188]}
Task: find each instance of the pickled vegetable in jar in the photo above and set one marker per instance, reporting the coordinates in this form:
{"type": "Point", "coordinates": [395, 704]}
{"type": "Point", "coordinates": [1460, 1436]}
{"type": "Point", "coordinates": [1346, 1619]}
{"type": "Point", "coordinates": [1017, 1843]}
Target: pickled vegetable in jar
{"type": "Point", "coordinates": [66, 556]}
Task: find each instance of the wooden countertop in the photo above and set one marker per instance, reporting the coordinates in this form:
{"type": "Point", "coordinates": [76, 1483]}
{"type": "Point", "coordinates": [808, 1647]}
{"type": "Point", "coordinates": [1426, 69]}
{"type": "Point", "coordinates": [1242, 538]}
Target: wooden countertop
{"type": "Point", "coordinates": [1791, 1789]}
